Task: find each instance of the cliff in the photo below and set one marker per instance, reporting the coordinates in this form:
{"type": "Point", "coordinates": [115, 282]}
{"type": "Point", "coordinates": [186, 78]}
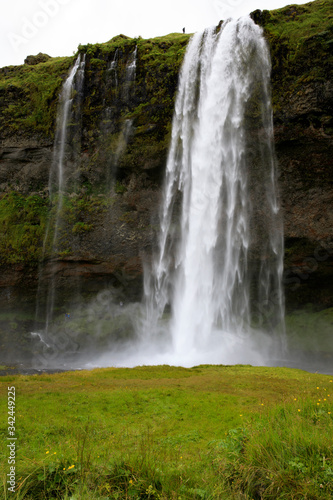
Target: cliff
{"type": "Point", "coordinates": [119, 148]}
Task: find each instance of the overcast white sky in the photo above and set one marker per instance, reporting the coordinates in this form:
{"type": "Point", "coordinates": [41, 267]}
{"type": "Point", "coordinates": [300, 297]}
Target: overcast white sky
{"type": "Point", "coordinates": [57, 27]}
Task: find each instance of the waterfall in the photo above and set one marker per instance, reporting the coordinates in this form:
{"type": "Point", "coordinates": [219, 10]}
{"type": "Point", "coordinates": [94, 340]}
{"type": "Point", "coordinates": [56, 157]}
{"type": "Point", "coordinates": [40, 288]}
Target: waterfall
{"type": "Point", "coordinates": [126, 131]}
{"type": "Point", "coordinates": [130, 76]}
{"type": "Point", "coordinates": [66, 145]}
{"type": "Point", "coordinates": [131, 66]}
{"type": "Point", "coordinates": [218, 267]}
{"type": "Point", "coordinates": [213, 289]}
{"type": "Point", "coordinates": [112, 68]}
{"type": "Point", "coordinates": [124, 136]}
{"type": "Point", "coordinates": [73, 84]}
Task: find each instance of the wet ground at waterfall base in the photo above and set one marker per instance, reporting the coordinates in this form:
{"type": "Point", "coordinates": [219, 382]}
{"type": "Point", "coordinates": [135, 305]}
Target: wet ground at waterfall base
{"type": "Point", "coordinates": [321, 364]}
{"type": "Point", "coordinates": [104, 334]}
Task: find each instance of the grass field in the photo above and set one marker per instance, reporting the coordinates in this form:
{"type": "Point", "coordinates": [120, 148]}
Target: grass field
{"type": "Point", "coordinates": [209, 432]}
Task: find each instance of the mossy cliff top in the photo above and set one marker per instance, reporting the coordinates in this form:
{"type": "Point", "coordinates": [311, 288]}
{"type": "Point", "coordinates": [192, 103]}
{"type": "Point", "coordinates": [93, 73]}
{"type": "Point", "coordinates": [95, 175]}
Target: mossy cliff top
{"type": "Point", "coordinates": [29, 94]}
{"type": "Point", "coordinates": [301, 41]}
{"type": "Point", "coordinates": [297, 23]}
{"type": "Point", "coordinates": [300, 37]}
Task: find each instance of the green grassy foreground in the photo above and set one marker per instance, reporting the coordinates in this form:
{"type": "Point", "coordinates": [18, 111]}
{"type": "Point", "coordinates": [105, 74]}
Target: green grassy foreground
{"type": "Point", "coordinates": [209, 432]}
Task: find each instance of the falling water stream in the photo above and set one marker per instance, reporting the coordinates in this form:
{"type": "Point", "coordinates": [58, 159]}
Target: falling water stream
{"type": "Point", "coordinates": [72, 84]}
{"type": "Point", "coordinates": [64, 145]}
{"type": "Point", "coordinates": [126, 131]}
{"type": "Point", "coordinates": [216, 277]}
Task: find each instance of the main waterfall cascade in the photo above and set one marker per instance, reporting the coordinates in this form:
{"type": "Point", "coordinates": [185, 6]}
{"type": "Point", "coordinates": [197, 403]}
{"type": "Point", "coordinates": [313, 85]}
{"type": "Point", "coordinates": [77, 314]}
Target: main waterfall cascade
{"type": "Point", "coordinates": [214, 290]}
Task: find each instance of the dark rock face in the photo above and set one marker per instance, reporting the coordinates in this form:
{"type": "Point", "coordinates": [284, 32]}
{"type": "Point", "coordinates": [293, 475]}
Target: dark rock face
{"type": "Point", "coordinates": [307, 200]}
{"type": "Point", "coordinates": [109, 240]}
{"type": "Point", "coordinates": [25, 166]}
{"type": "Point", "coordinates": [260, 17]}
{"type": "Point", "coordinates": [304, 148]}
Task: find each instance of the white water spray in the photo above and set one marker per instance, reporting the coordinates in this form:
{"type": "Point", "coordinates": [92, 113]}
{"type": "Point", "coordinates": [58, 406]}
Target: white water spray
{"type": "Point", "coordinates": [219, 264]}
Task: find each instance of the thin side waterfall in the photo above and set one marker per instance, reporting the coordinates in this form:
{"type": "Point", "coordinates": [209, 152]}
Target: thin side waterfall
{"type": "Point", "coordinates": [67, 138]}
{"type": "Point", "coordinates": [131, 66]}
{"type": "Point", "coordinates": [123, 139]}
{"type": "Point", "coordinates": [130, 75]}
{"type": "Point", "coordinates": [73, 83]}
{"type": "Point", "coordinates": [127, 127]}
{"type": "Point", "coordinates": [215, 285]}
{"type": "Point", "coordinates": [112, 69]}
{"type": "Point", "coordinates": [124, 136]}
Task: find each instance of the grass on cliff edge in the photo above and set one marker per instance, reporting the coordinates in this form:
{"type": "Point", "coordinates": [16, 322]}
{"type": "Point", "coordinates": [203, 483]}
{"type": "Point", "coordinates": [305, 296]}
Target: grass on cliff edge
{"type": "Point", "coordinates": [298, 22]}
{"type": "Point", "coordinates": [29, 95]}
{"type": "Point", "coordinates": [209, 432]}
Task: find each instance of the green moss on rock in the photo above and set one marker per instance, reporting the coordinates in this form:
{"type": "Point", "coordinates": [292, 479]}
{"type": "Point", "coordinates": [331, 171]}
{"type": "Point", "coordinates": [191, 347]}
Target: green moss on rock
{"type": "Point", "coordinates": [29, 96]}
{"type": "Point", "coordinates": [22, 227]}
{"type": "Point", "coordinates": [300, 38]}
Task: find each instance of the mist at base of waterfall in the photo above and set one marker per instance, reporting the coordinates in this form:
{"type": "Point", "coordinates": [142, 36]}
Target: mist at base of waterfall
{"type": "Point", "coordinates": [232, 350]}
{"type": "Point", "coordinates": [103, 332]}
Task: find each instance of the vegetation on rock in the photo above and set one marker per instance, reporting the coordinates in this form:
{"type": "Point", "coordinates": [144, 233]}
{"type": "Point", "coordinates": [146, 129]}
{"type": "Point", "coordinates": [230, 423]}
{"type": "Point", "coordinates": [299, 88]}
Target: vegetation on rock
{"type": "Point", "coordinates": [29, 96]}
{"type": "Point", "coordinates": [22, 223]}
{"type": "Point", "coordinates": [300, 38]}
